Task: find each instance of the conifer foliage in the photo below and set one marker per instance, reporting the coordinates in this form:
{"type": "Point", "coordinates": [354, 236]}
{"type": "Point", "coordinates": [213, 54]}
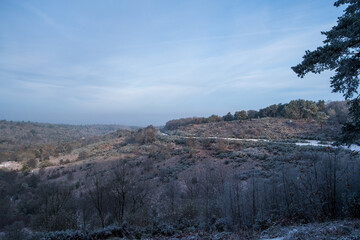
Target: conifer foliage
{"type": "Point", "coordinates": [340, 53]}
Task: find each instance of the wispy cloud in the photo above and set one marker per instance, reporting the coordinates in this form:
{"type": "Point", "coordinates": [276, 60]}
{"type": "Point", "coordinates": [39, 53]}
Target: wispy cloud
{"type": "Point", "coordinates": [47, 19]}
{"type": "Point", "coordinates": [132, 82]}
{"type": "Point", "coordinates": [166, 68]}
{"type": "Point", "coordinates": [218, 37]}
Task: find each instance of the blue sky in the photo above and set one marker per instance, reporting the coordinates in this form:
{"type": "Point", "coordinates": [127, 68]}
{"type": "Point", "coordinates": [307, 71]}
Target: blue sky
{"type": "Point", "coordinates": [146, 62]}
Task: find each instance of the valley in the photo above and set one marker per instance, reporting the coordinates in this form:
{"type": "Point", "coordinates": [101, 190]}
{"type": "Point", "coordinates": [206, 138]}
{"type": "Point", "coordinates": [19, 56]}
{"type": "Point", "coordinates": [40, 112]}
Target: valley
{"type": "Point", "coordinates": [236, 178]}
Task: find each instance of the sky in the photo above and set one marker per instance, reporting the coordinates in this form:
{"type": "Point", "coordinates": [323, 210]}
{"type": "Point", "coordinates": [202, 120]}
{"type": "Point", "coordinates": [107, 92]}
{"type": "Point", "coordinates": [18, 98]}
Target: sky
{"type": "Point", "coordinates": [142, 62]}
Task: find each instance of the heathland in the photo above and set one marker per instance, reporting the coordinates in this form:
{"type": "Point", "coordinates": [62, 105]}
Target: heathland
{"type": "Point", "coordinates": [247, 175]}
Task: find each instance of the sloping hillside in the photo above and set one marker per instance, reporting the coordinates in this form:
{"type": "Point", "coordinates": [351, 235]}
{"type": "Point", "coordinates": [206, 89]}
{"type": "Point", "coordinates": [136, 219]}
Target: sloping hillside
{"type": "Point", "coordinates": [169, 185]}
{"type": "Point", "coordinates": [262, 128]}
{"type": "Point", "coordinates": [22, 133]}
{"type": "Point", "coordinates": [22, 141]}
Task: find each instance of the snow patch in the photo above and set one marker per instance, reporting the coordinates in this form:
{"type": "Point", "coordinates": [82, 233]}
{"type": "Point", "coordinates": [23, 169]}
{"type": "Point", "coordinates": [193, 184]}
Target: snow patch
{"type": "Point", "coordinates": [10, 165]}
{"type": "Point", "coordinates": [315, 143]}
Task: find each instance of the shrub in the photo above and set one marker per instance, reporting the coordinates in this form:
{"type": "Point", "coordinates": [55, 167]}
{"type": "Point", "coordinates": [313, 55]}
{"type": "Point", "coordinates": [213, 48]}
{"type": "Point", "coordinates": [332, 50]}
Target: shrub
{"type": "Point", "coordinates": [45, 164]}
{"type": "Point", "coordinates": [221, 225]}
{"type": "Point", "coordinates": [145, 135]}
{"type": "Point", "coordinates": [83, 155]}
{"type": "Point", "coordinates": [14, 231]}
{"type": "Point", "coordinates": [33, 181]}
{"type": "Point", "coordinates": [351, 206]}
{"type": "Point", "coordinates": [32, 163]}
{"type": "Point", "coordinates": [25, 169]}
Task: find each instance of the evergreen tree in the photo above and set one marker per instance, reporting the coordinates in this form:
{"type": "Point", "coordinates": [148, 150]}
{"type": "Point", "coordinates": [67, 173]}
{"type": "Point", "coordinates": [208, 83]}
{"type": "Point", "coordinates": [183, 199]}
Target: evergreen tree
{"type": "Point", "coordinates": [228, 117]}
{"type": "Point", "coordinates": [340, 52]}
{"type": "Point", "coordinates": [242, 115]}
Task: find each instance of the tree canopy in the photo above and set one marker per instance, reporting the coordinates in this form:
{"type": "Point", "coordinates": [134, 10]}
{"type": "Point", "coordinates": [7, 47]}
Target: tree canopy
{"type": "Point", "coordinates": [340, 53]}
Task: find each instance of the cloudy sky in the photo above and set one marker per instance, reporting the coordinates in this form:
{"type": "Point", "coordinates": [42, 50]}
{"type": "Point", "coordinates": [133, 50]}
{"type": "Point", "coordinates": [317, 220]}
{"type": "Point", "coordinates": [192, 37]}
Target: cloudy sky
{"type": "Point", "coordinates": [141, 62]}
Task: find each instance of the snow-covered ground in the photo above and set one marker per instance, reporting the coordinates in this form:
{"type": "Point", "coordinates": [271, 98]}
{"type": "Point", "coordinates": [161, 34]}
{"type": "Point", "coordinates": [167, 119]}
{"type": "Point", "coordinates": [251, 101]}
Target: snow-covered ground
{"type": "Point", "coordinates": [352, 147]}
{"type": "Point", "coordinates": [11, 165]}
{"type": "Point", "coordinates": [315, 143]}
{"type": "Point", "coordinates": [344, 230]}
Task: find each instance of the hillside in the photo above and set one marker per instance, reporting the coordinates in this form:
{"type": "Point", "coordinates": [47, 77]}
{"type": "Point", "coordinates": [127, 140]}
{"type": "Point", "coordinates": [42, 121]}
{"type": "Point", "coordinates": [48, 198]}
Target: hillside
{"type": "Point", "coordinates": [22, 141]}
{"type": "Point", "coordinates": [263, 128]}
{"type": "Point", "coordinates": [30, 133]}
{"type": "Point", "coordinates": [173, 184]}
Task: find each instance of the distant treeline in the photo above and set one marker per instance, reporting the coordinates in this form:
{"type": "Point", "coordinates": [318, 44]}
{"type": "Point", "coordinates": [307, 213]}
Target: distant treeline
{"type": "Point", "coordinates": [295, 109]}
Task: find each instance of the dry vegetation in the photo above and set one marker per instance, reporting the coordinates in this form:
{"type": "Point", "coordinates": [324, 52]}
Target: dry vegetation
{"type": "Point", "coordinates": [143, 184]}
{"type": "Point", "coordinates": [263, 128]}
{"type": "Point", "coordinates": [26, 141]}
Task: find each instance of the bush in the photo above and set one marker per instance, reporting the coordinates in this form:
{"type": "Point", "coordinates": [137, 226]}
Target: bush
{"type": "Point", "coordinates": [162, 229]}
{"type": "Point", "coordinates": [145, 135]}
{"type": "Point", "coordinates": [15, 231]}
{"type": "Point", "coordinates": [33, 181]}
{"type": "Point", "coordinates": [25, 169]}
{"type": "Point", "coordinates": [221, 225]}
{"type": "Point", "coordinates": [32, 163]}
{"type": "Point", "coordinates": [45, 164]}
{"type": "Point", "coordinates": [351, 206]}
{"type": "Point", "coordinates": [83, 155]}
{"type": "Point", "coordinates": [108, 232]}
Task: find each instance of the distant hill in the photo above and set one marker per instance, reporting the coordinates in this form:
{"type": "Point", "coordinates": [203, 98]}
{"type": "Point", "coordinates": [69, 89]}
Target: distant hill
{"type": "Point", "coordinates": [262, 128]}
{"type": "Point", "coordinates": [333, 112]}
{"type": "Point", "coordinates": [33, 132]}
{"type": "Point", "coordinates": [19, 137]}
{"type": "Point", "coordinates": [297, 119]}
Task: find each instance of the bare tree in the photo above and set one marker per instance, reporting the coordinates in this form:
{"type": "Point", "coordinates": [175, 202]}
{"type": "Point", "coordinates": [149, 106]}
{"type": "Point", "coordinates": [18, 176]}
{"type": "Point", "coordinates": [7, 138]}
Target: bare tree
{"type": "Point", "coordinates": [96, 192]}
{"type": "Point", "coordinates": [55, 211]}
{"type": "Point", "coordinates": [120, 188]}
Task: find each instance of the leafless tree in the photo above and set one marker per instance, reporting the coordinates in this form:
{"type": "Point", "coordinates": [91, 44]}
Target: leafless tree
{"type": "Point", "coordinates": [96, 192]}
{"type": "Point", "coordinates": [120, 188]}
